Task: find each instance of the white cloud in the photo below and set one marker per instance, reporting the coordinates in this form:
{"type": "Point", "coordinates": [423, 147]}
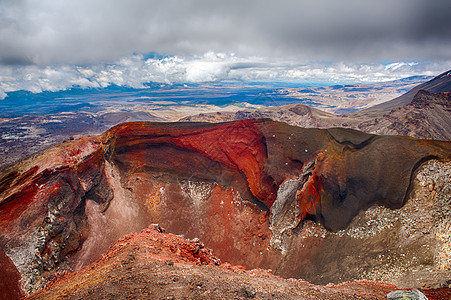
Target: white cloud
{"type": "Point", "coordinates": [398, 65]}
{"type": "Point", "coordinates": [134, 71]}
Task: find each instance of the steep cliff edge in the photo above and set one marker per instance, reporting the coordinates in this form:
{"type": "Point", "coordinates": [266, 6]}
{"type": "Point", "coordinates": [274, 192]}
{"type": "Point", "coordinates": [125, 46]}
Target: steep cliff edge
{"type": "Point", "coordinates": [245, 188]}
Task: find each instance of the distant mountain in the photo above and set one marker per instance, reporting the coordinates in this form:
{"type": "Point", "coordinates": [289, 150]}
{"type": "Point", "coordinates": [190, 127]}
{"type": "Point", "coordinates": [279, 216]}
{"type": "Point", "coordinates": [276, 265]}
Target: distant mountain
{"type": "Point", "coordinates": [423, 112]}
{"type": "Point", "coordinates": [348, 98]}
{"type": "Point", "coordinates": [439, 84]}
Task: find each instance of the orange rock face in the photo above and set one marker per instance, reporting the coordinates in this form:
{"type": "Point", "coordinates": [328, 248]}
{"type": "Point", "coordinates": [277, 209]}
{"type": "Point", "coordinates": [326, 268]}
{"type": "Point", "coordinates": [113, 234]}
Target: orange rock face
{"type": "Point", "coordinates": [309, 196]}
{"type": "Point", "coordinates": [240, 146]}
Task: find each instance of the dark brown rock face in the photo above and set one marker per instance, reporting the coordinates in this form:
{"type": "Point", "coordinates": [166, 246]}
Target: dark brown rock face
{"type": "Point", "coordinates": [240, 187]}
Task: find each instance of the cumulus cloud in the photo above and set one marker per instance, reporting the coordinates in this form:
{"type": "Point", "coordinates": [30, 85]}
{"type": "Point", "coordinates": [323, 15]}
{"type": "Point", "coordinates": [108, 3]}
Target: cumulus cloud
{"type": "Point", "coordinates": [137, 70]}
{"type": "Point", "coordinates": [90, 32]}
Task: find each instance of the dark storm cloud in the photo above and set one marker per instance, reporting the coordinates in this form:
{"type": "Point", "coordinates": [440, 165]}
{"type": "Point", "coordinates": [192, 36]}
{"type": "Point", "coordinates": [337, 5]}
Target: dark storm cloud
{"type": "Point", "coordinates": [86, 31]}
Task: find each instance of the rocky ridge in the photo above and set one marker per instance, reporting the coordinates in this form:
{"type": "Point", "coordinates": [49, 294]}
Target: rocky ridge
{"type": "Point", "coordinates": [158, 265]}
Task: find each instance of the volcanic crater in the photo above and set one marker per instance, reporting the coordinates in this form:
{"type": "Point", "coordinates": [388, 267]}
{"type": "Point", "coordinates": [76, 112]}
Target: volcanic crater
{"type": "Point", "coordinates": [260, 193]}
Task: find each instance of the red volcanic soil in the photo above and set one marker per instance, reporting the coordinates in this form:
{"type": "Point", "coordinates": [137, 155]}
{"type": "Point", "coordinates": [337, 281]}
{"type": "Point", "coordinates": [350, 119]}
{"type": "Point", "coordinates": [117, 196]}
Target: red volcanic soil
{"type": "Point", "coordinates": [155, 265]}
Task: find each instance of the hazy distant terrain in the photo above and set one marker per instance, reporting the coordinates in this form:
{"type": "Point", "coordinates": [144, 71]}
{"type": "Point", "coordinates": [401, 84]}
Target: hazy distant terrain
{"type": "Point", "coordinates": [339, 99]}
{"type": "Point", "coordinates": [31, 122]}
{"type": "Point", "coordinates": [423, 112]}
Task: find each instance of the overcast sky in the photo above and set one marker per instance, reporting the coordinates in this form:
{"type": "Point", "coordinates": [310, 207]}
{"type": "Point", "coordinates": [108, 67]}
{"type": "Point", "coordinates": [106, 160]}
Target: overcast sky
{"type": "Point", "coordinates": [53, 33]}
